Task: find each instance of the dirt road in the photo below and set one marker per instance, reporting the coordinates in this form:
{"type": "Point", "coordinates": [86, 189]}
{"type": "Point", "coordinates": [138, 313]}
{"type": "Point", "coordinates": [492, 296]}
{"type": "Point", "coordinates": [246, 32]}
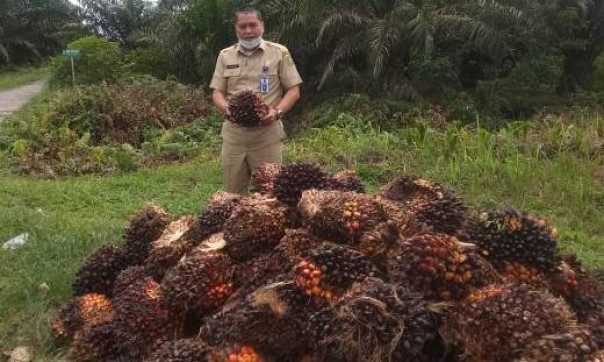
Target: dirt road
{"type": "Point", "coordinates": [12, 100]}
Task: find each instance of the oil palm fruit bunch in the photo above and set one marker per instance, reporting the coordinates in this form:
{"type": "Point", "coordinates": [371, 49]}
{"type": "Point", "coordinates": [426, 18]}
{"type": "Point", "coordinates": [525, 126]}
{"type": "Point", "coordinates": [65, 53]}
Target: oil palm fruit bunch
{"type": "Point", "coordinates": [577, 285]}
{"type": "Point", "coordinates": [331, 269]}
{"type": "Point", "coordinates": [510, 235]}
{"type": "Point", "coordinates": [427, 203]}
{"type": "Point", "coordinates": [96, 342]}
{"type": "Point", "coordinates": [498, 322]}
{"type": "Point", "coordinates": [145, 227]}
{"type": "Point", "coordinates": [294, 178]}
{"type": "Point", "coordinates": [575, 344]}
{"type": "Point", "coordinates": [340, 216]}
{"type": "Point", "coordinates": [254, 228]}
{"type": "Point", "coordinates": [236, 353]}
{"type": "Point", "coordinates": [142, 320]}
{"type": "Point", "coordinates": [212, 219]}
{"type": "Point", "coordinates": [378, 240]}
{"type": "Point", "coordinates": [517, 273]}
{"type": "Point", "coordinates": [375, 321]}
{"type": "Point", "coordinates": [168, 248]}
{"type": "Point", "coordinates": [271, 319]}
{"type": "Point", "coordinates": [180, 350]}
{"type": "Point", "coordinates": [296, 244]}
{"type": "Point", "coordinates": [247, 108]}
{"type": "Point", "coordinates": [98, 273]}
{"type": "Point", "coordinates": [263, 177]}
{"type": "Point", "coordinates": [262, 270]}
{"type": "Point", "coordinates": [200, 283]}
{"type": "Point", "coordinates": [84, 310]}
{"type": "Point", "coordinates": [437, 265]}
{"type": "Point", "coordinates": [347, 180]}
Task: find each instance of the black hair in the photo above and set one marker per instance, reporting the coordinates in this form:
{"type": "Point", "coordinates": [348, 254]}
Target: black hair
{"type": "Point", "coordinates": [247, 9]}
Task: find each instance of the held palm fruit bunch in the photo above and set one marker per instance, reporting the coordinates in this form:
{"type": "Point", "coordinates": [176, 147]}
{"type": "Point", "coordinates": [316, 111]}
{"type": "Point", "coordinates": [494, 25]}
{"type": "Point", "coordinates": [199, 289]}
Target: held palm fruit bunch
{"type": "Point", "coordinates": [263, 177]}
{"type": "Point", "coordinates": [271, 319]}
{"type": "Point", "coordinates": [96, 342]}
{"type": "Point", "coordinates": [200, 283]}
{"type": "Point", "coordinates": [168, 248]}
{"type": "Point", "coordinates": [575, 344]}
{"type": "Point", "coordinates": [145, 227]}
{"type": "Point", "coordinates": [247, 108]}
{"type": "Point", "coordinates": [295, 178]}
{"type": "Point", "coordinates": [375, 321]}
{"type": "Point", "coordinates": [437, 265]}
{"type": "Point", "coordinates": [84, 310]}
{"type": "Point", "coordinates": [142, 319]}
{"type": "Point", "coordinates": [99, 271]}
{"type": "Point", "coordinates": [427, 203]}
{"type": "Point", "coordinates": [254, 228]}
{"type": "Point", "coordinates": [498, 322]}
{"type": "Point", "coordinates": [347, 180]}
{"type": "Point", "coordinates": [331, 269]}
{"type": "Point", "coordinates": [510, 235]}
{"type": "Point", "coordinates": [180, 350]}
{"type": "Point", "coordinates": [339, 216]}
{"type": "Point", "coordinates": [216, 212]}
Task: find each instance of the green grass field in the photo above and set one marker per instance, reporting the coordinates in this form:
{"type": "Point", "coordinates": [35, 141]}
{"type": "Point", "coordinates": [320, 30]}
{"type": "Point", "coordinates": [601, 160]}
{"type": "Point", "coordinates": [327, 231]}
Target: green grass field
{"type": "Point", "coordinates": [552, 167]}
{"type": "Point", "coordinates": [22, 76]}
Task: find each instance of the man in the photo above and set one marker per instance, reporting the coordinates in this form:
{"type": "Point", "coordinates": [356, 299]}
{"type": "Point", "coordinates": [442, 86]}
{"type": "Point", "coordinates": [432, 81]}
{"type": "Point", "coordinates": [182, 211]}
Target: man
{"type": "Point", "coordinates": [263, 67]}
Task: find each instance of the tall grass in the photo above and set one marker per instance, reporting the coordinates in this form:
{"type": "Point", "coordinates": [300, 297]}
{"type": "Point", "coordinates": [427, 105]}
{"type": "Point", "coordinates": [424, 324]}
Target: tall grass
{"type": "Point", "coordinates": [552, 166]}
{"type": "Point", "coordinates": [21, 76]}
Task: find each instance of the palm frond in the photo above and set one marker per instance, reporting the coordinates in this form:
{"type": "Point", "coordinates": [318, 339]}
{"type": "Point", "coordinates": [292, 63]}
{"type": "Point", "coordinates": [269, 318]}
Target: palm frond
{"type": "Point", "coordinates": [348, 17]}
{"type": "Point", "coordinates": [345, 48]}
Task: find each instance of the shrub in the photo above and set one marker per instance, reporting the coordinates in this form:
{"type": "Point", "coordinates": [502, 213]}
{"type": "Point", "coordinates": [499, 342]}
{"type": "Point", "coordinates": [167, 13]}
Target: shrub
{"type": "Point", "coordinates": [99, 61]}
{"type": "Point", "coordinates": [152, 61]}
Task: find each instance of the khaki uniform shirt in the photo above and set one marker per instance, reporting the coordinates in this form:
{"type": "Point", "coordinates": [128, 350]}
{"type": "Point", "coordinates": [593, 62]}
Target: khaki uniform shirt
{"type": "Point", "coordinates": [238, 70]}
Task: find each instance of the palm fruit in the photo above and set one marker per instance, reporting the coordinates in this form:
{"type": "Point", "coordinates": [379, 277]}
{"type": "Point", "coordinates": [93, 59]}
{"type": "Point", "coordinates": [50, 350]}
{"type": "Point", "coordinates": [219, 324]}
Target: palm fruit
{"type": "Point", "coordinates": [296, 244]}
{"type": "Point", "coordinates": [180, 350]}
{"type": "Point", "coordinates": [346, 180]}
{"type": "Point", "coordinates": [517, 273]}
{"type": "Point", "coordinates": [263, 177]}
{"type": "Point", "coordinates": [512, 236]}
{"type": "Point", "coordinates": [330, 269]}
{"type": "Point", "coordinates": [427, 203]}
{"type": "Point", "coordinates": [438, 266]}
{"type": "Point", "coordinates": [142, 319]}
{"type": "Point", "coordinates": [99, 271]}
{"type": "Point", "coordinates": [255, 227]}
{"type": "Point", "coordinates": [379, 239]}
{"type": "Point", "coordinates": [145, 227]}
{"type": "Point", "coordinates": [262, 270]}
{"type": "Point", "coordinates": [340, 216]}
{"type": "Point", "coordinates": [236, 353]}
{"type": "Point", "coordinates": [168, 248]}
{"type": "Point", "coordinates": [576, 344]}
{"type": "Point", "coordinates": [199, 283]}
{"type": "Point", "coordinates": [216, 212]}
{"type": "Point", "coordinates": [498, 322]}
{"type": "Point", "coordinates": [375, 321]}
{"type": "Point", "coordinates": [84, 310]}
{"type": "Point", "coordinates": [96, 342]}
{"type": "Point", "coordinates": [271, 319]}
{"type": "Point", "coordinates": [247, 108]}
{"type": "Point", "coordinates": [294, 178]}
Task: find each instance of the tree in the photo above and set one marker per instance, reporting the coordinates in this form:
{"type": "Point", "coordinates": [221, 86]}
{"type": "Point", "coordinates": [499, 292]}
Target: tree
{"type": "Point", "coordinates": [30, 29]}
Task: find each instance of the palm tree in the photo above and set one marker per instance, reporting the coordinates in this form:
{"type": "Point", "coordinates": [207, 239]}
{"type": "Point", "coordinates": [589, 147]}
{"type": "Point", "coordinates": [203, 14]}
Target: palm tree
{"type": "Point", "coordinates": [390, 33]}
{"type": "Point", "coordinates": [33, 28]}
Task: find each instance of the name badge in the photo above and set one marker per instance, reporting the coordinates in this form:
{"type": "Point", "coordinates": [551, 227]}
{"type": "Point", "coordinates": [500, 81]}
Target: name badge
{"type": "Point", "coordinates": [264, 84]}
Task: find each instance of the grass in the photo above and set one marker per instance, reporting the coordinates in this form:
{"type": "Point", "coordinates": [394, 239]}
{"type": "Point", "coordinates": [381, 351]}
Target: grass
{"type": "Point", "coordinates": [553, 167]}
{"type": "Point", "coordinates": [21, 76]}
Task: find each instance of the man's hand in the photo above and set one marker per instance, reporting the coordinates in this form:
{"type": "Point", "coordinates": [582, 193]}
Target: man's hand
{"type": "Point", "coordinates": [270, 117]}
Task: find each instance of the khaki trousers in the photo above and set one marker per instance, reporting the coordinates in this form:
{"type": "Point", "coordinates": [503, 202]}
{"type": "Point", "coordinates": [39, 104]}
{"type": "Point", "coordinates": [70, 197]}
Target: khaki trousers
{"type": "Point", "coordinates": [244, 149]}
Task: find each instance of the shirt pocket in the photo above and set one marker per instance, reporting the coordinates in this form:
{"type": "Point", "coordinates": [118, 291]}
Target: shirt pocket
{"type": "Point", "coordinates": [232, 76]}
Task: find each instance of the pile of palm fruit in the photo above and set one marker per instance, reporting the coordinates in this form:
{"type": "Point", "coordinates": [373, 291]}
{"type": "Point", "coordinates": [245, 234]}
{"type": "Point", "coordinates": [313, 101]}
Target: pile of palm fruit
{"type": "Point", "coordinates": [313, 268]}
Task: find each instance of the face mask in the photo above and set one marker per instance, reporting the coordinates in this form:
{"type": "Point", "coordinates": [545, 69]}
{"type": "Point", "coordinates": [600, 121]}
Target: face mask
{"type": "Point", "coordinates": [250, 44]}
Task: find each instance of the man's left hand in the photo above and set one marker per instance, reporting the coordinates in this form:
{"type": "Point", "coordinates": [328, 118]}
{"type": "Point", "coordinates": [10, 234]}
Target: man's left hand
{"type": "Point", "coordinates": [270, 117]}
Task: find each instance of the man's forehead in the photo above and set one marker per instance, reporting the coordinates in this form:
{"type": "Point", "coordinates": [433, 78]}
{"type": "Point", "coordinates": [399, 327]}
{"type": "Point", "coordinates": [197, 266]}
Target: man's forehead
{"type": "Point", "coordinates": [248, 16]}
